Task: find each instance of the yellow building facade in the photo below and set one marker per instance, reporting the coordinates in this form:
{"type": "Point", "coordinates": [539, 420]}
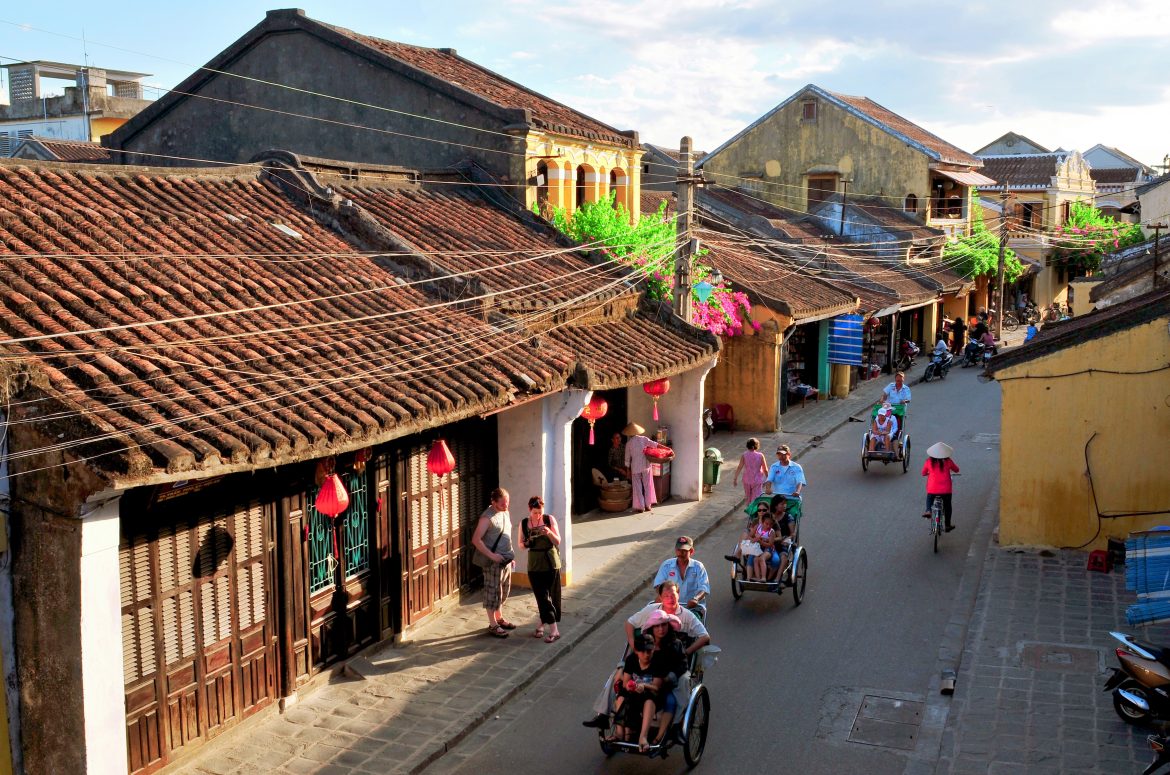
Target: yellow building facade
{"type": "Point", "coordinates": [1085, 424]}
{"type": "Point", "coordinates": [565, 172]}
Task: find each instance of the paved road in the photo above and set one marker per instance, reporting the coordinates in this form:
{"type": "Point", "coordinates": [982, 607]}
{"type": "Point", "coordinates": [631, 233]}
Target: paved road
{"type": "Point", "coordinates": [791, 681]}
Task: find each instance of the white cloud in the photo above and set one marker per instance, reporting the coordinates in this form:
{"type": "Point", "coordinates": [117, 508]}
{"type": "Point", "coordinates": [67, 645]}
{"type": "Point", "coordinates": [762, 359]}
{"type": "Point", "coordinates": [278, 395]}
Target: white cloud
{"type": "Point", "coordinates": [1115, 20]}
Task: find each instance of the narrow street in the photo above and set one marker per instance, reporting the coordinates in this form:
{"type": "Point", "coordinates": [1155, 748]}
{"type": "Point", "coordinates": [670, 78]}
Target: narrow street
{"type": "Point", "coordinates": [790, 681]}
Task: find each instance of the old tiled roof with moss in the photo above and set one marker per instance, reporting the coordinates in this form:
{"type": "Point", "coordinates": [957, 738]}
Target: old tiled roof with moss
{"type": "Point", "coordinates": [947, 153]}
{"type": "Point", "coordinates": [69, 150]}
{"type": "Point", "coordinates": [166, 323]}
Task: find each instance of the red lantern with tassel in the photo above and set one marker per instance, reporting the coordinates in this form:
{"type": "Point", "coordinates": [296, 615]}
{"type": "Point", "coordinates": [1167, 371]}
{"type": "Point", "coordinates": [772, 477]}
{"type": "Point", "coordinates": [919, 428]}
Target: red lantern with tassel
{"type": "Point", "coordinates": [594, 411]}
{"type": "Point", "coordinates": [333, 498]}
{"type": "Point", "coordinates": [440, 461]}
{"type": "Point", "coordinates": [658, 388]}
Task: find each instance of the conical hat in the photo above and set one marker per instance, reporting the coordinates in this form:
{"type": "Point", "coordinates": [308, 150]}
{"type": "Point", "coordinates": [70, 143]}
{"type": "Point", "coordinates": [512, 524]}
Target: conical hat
{"type": "Point", "coordinates": [633, 429]}
{"type": "Point", "coordinates": [940, 450]}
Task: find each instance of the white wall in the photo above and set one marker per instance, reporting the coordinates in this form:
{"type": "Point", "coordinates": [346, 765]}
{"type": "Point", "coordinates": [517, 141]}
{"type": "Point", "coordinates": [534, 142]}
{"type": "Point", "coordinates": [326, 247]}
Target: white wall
{"type": "Point", "coordinates": [102, 679]}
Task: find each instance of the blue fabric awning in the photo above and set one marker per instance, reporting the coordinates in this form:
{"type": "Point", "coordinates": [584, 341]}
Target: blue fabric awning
{"type": "Point", "coordinates": [845, 340]}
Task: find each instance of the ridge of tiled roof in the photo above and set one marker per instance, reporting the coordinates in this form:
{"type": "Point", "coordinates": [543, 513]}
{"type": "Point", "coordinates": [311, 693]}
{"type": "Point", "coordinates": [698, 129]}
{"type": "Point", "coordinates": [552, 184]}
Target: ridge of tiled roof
{"type": "Point", "coordinates": [1114, 176]}
{"type": "Point", "coordinates": [448, 66]}
{"type": "Point", "coordinates": [947, 153]}
{"type": "Point", "coordinates": [151, 346]}
{"type": "Point", "coordinates": [1024, 170]}
{"type": "Point", "coordinates": [1082, 328]}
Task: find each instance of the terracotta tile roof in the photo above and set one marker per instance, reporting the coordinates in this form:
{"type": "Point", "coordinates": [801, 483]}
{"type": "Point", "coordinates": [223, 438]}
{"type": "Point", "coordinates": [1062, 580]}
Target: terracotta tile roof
{"type": "Point", "coordinates": [452, 68]}
{"type": "Point", "coordinates": [201, 321]}
{"type": "Point", "coordinates": [68, 150]}
{"type": "Point", "coordinates": [1098, 324]}
{"type": "Point", "coordinates": [775, 280]}
{"type": "Point", "coordinates": [948, 153]}
{"type": "Point", "coordinates": [652, 198]}
{"type": "Point", "coordinates": [1114, 176]}
{"type": "Point", "coordinates": [1025, 170]}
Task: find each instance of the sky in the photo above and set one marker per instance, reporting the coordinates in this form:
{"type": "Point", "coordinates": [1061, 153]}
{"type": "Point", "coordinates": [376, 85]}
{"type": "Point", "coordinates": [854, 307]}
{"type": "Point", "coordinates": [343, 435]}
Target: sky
{"type": "Point", "coordinates": [1063, 74]}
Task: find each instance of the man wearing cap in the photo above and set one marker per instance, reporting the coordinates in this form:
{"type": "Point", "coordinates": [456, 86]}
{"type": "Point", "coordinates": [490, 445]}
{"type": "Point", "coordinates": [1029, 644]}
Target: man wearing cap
{"type": "Point", "coordinates": [785, 477]}
{"type": "Point", "coordinates": [897, 392]}
{"type": "Point", "coordinates": [641, 480]}
{"type": "Point", "coordinates": [885, 428]}
{"type": "Point", "coordinates": [693, 584]}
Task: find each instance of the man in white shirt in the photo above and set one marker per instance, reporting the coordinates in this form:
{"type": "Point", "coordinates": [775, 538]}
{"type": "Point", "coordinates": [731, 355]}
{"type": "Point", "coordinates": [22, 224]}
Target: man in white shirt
{"type": "Point", "coordinates": [897, 392]}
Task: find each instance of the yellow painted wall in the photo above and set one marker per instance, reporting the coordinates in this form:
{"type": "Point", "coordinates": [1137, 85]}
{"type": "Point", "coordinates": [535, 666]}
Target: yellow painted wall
{"type": "Point", "coordinates": [100, 127]}
{"type": "Point", "coordinates": [955, 306]}
{"type": "Point", "coordinates": [875, 161]}
{"type": "Point", "coordinates": [1048, 420]}
{"type": "Point", "coordinates": [748, 374]}
{"type": "Point", "coordinates": [567, 155]}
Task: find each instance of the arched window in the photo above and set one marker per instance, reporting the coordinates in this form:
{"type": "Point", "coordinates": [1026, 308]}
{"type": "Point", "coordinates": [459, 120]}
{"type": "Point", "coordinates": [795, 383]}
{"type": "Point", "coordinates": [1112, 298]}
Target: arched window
{"type": "Point", "coordinates": [542, 184]}
{"type": "Point", "coordinates": [580, 181]}
{"type": "Point", "coordinates": [613, 188]}
{"type": "Point", "coordinates": [911, 204]}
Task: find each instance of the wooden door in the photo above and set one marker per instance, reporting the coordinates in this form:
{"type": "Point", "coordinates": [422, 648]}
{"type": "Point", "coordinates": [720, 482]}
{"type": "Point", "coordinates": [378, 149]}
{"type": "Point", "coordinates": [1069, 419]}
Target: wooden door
{"type": "Point", "coordinates": [198, 635]}
{"type": "Point", "coordinates": [437, 516]}
{"type": "Point", "coordinates": [341, 573]}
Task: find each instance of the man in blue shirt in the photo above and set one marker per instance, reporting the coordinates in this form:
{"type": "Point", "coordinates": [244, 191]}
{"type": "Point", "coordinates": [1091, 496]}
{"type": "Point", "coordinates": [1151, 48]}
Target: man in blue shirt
{"type": "Point", "coordinates": [689, 573]}
{"type": "Point", "coordinates": [785, 476]}
{"type": "Point", "coordinates": [897, 392]}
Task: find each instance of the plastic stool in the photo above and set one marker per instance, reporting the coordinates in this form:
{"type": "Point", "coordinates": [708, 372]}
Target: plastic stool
{"type": "Point", "coordinates": [1099, 560]}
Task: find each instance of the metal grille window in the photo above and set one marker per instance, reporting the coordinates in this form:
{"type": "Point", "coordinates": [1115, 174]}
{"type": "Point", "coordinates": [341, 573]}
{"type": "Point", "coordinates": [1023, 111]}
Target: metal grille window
{"type": "Point", "coordinates": [320, 549]}
{"type": "Point", "coordinates": [355, 528]}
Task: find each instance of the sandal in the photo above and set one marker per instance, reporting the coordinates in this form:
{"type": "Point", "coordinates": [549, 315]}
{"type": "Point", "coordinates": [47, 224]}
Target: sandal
{"type": "Point", "coordinates": [538, 632]}
{"type": "Point", "coordinates": [553, 638]}
{"type": "Point", "coordinates": [497, 631]}
{"type": "Point", "coordinates": [507, 625]}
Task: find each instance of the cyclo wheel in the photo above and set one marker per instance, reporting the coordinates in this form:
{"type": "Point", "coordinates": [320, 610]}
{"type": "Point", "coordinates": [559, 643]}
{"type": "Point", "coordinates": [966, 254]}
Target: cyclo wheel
{"type": "Point", "coordinates": [799, 578]}
{"type": "Point", "coordinates": [694, 730]}
{"type": "Point", "coordinates": [905, 454]}
{"type": "Point", "coordinates": [736, 581]}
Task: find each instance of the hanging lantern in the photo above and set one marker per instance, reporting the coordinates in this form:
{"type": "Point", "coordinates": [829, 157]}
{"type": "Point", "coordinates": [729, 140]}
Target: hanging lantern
{"type": "Point", "coordinates": [703, 290]}
{"type": "Point", "coordinates": [594, 411]}
{"type": "Point", "coordinates": [658, 388]}
{"type": "Point", "coordinates": [333, 498]}
{"type": "Point", "coordinates": [440, 461]}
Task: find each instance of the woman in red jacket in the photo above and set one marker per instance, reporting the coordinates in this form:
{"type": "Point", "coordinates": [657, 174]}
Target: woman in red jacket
{"type": "Point", "coordinates": [938, 469]}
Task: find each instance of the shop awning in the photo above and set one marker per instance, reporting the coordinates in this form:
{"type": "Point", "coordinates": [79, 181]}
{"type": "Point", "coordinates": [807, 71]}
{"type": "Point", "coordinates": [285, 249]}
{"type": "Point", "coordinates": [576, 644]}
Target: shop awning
{"type": "Point", "coordinates": [845, 340]}
{"type": "Point", "coordinates": [966, 178]}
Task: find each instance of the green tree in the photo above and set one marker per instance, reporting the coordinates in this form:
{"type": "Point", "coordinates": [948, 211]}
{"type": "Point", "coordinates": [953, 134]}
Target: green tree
{"type": "Point", "coordinates": [978, 252]}
{"type": "Point", "coordinates": [1090, 235]}
{"type": "Point", "coordinates": [648, 246]}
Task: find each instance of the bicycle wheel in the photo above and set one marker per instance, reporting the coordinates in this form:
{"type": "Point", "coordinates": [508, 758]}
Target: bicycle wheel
{"type": "Point", "coordinates": [694, 731]}
{"type": "Point", "coordinates": [1010, 323]}
{"type": "Point", "coordinates": [936, 518]}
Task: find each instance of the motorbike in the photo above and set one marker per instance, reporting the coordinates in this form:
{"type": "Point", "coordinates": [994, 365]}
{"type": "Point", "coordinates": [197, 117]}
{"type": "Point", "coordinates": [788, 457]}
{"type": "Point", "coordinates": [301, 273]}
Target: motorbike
{"type": "Point", "coordinates": [940, 364]}
{"type": "Point", "coordinates": [973, 354]}
{"type": "Point", "coordinates": [1141, 685]}
{"type": "Point", "coordinates": [910, 351]}
{"type": "Point", "coordinates": [1158, 744]}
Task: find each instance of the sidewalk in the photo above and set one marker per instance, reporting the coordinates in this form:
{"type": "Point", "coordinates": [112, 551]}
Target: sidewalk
{"type": "Point", "coordinates": [398, 708]}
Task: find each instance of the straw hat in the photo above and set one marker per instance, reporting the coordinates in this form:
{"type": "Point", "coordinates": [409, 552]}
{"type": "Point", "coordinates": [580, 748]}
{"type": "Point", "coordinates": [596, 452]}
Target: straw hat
{"type": "Point", "coordinates": [633, 429]}
{"type": "Point", "coordinates": [940, 450]}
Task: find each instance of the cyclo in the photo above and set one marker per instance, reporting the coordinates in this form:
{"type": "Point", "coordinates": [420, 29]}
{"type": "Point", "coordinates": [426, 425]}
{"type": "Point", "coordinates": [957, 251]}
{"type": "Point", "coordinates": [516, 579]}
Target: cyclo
{"type": "Point", "coordinates": [688, 725]}
{"type": "Point", "coordinates": [899, 447]}
{"type": "Point", "coordinates": [792, 576]}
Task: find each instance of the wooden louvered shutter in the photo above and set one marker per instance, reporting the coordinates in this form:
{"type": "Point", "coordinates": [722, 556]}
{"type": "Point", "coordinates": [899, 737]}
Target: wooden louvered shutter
{"type": "Point", "coordinates": [178, 598]}
{"type": "Point", "coordinates": [138, 636]}
{"type": "Point", "coordinates": [215, 601]}
{"type": "Point", "coordinates": [250, 590]}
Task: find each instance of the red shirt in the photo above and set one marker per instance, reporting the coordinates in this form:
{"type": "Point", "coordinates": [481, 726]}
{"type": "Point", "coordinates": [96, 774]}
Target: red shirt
{"type": "Point", "coordinates": [938, 480]}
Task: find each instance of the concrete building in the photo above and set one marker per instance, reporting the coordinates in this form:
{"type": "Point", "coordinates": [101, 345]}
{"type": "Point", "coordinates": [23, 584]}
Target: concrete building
{"type": "Point", "coordinates": [98, 102]}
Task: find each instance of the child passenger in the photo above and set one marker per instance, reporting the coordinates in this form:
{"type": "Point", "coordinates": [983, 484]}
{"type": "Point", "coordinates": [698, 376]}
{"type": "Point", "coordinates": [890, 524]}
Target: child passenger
{"type": "Point", "coordinates": [640, 681]}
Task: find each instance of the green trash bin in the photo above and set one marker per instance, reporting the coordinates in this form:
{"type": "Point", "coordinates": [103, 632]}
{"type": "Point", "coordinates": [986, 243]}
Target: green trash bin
{"type": "Point", "coordinates": [712, 460]}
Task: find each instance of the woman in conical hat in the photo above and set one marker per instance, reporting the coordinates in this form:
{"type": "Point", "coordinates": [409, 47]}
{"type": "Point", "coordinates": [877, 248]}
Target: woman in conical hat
{"type": "Point", "coordinates": [641, 481]}
{"type": "Point", "coordinates": [938, 469]}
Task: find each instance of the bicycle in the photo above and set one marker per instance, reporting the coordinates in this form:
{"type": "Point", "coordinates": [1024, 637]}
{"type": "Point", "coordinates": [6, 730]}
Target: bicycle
{"type": "Point", "coordinates": [1010, 322]}
{"type": "Point", "coordinates": [936, 519]}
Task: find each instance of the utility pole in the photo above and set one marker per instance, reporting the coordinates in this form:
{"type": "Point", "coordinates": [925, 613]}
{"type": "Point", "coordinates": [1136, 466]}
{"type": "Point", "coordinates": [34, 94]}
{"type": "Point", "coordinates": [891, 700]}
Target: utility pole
{"type": "Point", "coordinates": [844, 203]}
{"type": "Point", "coordinates": [1157, 227]}
{"type": "Point", "coordinates": [1003, 237]}
{"type": "Point", "coordinates": [685, 185]}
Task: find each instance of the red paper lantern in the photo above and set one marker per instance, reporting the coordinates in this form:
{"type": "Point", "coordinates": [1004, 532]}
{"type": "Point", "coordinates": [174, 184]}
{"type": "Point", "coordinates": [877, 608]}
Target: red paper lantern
{"type": "Point", "coordinates": [440, 461]}
{"type": "Point", "coordinates": [658, 388]}
{"type": "Point", "coordinates": [333, 498]}
{"type": "Point", "coordinates": [594, 411]}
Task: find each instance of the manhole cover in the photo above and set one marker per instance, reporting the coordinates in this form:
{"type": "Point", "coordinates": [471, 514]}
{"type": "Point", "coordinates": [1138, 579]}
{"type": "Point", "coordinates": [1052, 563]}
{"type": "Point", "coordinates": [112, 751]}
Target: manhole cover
{"type": "Point", "coordinates": [888, 722]}
{"type": "Point", "coordinates": [985, 438]}
{"type": "Point", "coordinates": [1054, 656]}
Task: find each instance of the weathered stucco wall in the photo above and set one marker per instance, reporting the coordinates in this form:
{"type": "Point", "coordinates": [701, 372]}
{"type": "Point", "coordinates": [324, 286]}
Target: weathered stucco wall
{"type": "Point", "coordinates": [748, 378]}
{"type": "Point", "coordinates": [875, 161]}
{"type": "Point", "coordinates": [1156, 209]}
{"type": "Point", "coordinates": [1052, 408]}
{"type": "Point", "coordinates": [222, 128]}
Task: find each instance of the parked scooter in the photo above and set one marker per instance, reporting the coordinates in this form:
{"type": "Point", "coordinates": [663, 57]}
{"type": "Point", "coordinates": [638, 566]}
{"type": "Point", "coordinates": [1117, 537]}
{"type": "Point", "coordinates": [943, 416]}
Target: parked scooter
{"type": "Point", "coordinates": [1141, 685]}
{"type": "Point", "coordinates": [1160, 745]}
{"type": "Point", "coordinates": [910, 351]}
{"type": "Point", "coordinates": [940, 364]}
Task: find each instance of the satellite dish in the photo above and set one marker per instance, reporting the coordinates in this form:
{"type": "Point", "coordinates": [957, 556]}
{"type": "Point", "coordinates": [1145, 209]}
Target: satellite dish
{"type": "Point", "coordinates": [772, 168]}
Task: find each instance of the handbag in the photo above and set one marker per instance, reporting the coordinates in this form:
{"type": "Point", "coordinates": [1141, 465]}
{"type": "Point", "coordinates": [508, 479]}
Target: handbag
{"type": "Point", "coordinates": [481, 560]}
{"type": "Point", "coordinates": [750, 548]}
